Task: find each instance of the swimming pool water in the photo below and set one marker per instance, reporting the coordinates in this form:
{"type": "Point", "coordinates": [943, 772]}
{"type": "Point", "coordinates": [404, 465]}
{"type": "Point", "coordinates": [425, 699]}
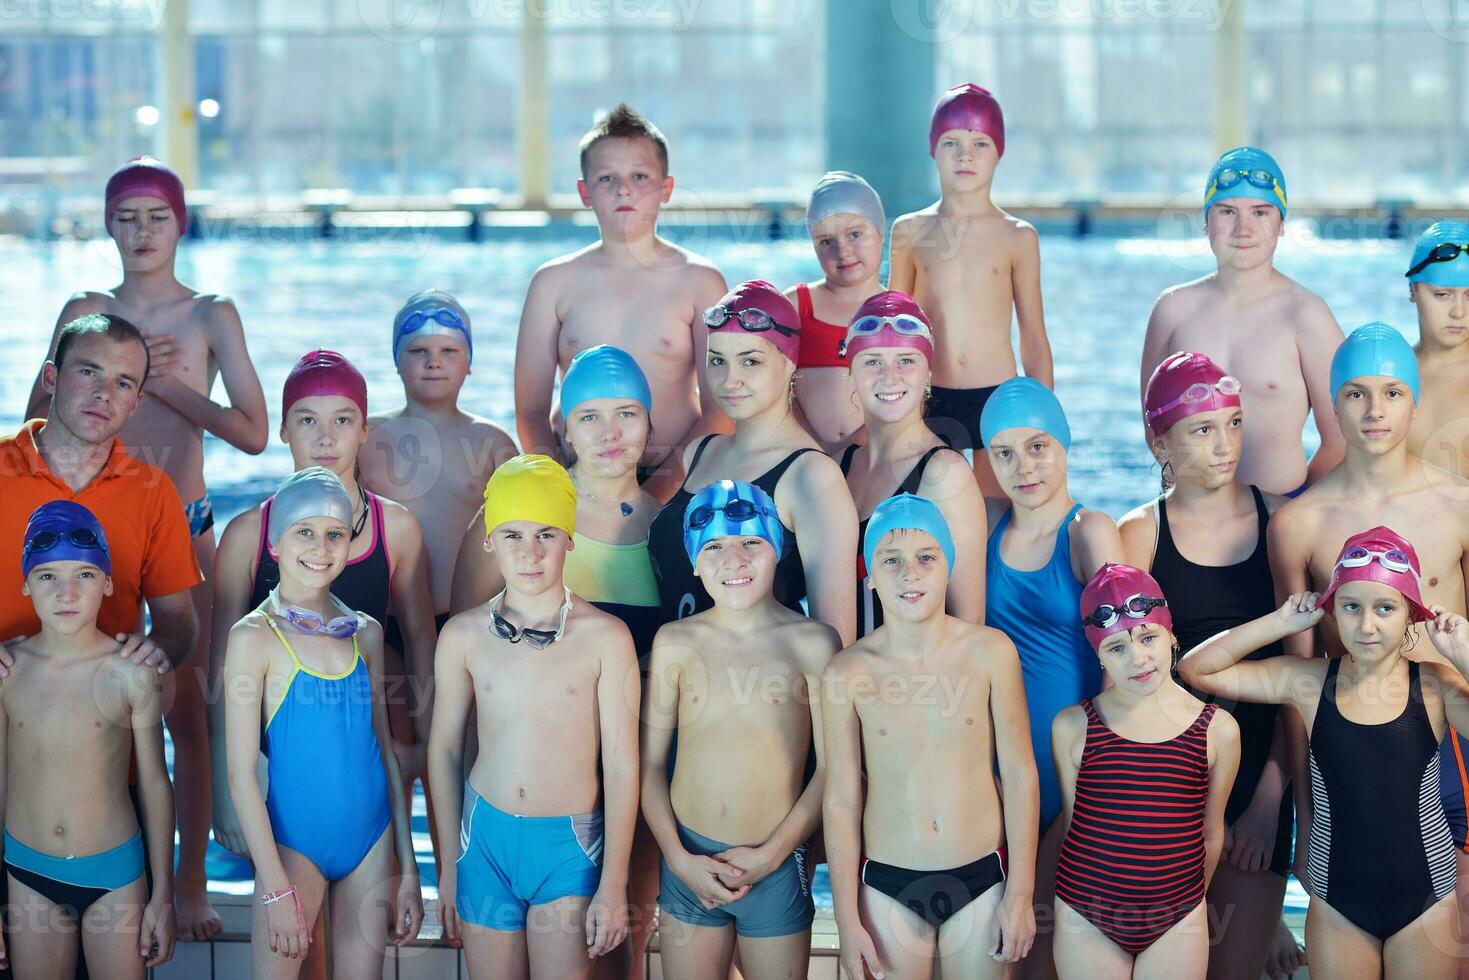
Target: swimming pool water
{"type": "Point", "coordinates": [297, 294]}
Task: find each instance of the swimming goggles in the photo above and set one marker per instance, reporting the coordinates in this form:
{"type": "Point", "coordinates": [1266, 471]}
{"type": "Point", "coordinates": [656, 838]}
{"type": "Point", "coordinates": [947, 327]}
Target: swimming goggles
{"type": "Point", "coordinates": [418, 319]}
{"type": "Point", "coordinates": [1393, 559]}
{"type": "Point", "coordinates": [81, 537]}
{"type": "Point", "coordinates": [1445, 252]}
{"type": "Point", "coordinates": [539, 639]}
{"type": "Point", "coordinates": [1229, 176]}
{"type": "Point", "coordinates": [908, 326]}
{"type": "Point", "coordinates": [1135, 607]}
{"type": "Point", "coordinates": [314, 624]}
{"type": "Point", "coordinates": [751, 318]}
{"type": "Point", "coordinates": [1199, 392]}
{"type": "Point", "coordinates": [737, 510]}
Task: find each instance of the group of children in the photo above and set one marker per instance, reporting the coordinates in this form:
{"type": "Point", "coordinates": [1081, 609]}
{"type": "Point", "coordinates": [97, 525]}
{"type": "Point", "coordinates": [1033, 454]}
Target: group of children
{"type": "Point", "coordinates": [760, 594]}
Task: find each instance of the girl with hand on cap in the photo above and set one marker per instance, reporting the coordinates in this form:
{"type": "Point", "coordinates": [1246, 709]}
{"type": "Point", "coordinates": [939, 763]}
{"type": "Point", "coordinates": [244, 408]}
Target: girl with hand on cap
{"type": "Point", "coordinates": [890, 347]}
{"type": "Point", "coordinates": [847, 227]}
{"type": "Point", "coordinates": [753, 346]}
{"type": "Point", "coordinates": [1203, 540]}
{"type": "Point", "coordinates": [307, 671]}
{"type": "Point", "coordinates": [1145, 770]}
{"type": "Point", "coordinates": [1381, 866]}
{"type": "Point", "coordinates": [1042, 547]}
{"type": "Point", "coordinates": [324, 421]}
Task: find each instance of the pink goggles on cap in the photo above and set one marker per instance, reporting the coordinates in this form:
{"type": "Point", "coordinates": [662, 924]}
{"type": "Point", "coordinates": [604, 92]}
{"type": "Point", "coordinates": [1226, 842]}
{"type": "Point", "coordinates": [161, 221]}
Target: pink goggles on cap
{"type": "Point", "coordinates": [902, 325]}
{"type": "Point", "coordinates": [1197, 393]}
{"type": "Point", "coordinates": [1393, 559]}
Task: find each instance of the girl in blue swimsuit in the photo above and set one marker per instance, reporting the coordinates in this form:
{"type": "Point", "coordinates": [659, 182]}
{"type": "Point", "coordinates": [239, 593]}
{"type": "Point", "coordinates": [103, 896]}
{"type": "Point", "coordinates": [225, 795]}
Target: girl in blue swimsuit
{"type": "Point", "coordinates": [304, 674]}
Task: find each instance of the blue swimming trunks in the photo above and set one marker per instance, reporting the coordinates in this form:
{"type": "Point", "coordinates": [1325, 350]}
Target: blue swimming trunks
{"type": "Point", "coordinates": [778, 905]}
{"type": "Point", "coordinates": [200, 515]}
{"type": "Point", "coordinates": [509, 863]}
{"type": "Point", "coordinates": [74, 883]}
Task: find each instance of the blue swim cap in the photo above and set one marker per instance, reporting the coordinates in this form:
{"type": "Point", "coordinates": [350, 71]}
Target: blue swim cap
{"type": "Point", "coordinates": [1246, 159]}
{"type": "Point", "coordinates": [907, 512]}
{"type": "Point", "coordinates": [64, 530]}
{"type": "Point", "coordinates": [1453, 273]}
{"type": "Point", "coordinates": [728, 508]}
{"type": "Point", "coordinates": [1024, 402]}
{"type": "Point", "coordinates": [1374, 350]}
{"type": "Point", "coordinates": [432, 311]}
{"type": "Point", "coordinates": [604, 371]}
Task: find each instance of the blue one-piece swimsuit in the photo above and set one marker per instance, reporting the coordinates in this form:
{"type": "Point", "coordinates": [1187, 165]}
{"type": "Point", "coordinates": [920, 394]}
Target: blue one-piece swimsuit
{"type": "Point", "coordinates": [1040, 612]}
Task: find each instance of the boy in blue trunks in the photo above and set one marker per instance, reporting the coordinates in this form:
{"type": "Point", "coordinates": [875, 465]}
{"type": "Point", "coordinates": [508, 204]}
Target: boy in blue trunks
{"type": "Point", "coordinates": [1375, 385]}
{"type": "Point", "coordinates": [970, 265]}
{"type": "Point", "coordinates": [736, 685]}
{"type": "Point", "coordinates": [631, 289]}
{"type": "Point", "coordinates": [193, 339]}
{"type": "Point", "coordinates": [71, 716]}
{"type": "Point", "coordinates": [929, 709]}
{"type": "Point", "coordinates": [534, 880]}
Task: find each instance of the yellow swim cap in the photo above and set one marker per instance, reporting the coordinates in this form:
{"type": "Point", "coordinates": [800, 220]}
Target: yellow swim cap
{"type": "Point", "coordinates": [530, 488]}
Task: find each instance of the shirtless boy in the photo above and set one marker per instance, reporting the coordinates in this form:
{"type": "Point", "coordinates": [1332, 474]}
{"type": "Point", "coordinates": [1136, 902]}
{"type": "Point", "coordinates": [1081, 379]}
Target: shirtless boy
{"type": "Point", "coordinates": [925, 705]}
{"type": "Point", "coordinates": [1257, 324]}
{"type": "Point", "coordinates": [193, 337]}
{"type": "Point", "coordinates": [1375, 383]}
{"type": "Point", "coordinates": [533, 892]}
{"type": "Point", "coordinates": [631, 289]}
{"type": "Point", "coordinates": [71, 716]}
{"type": "Point", "coordinates": [735, 685]}
{"type": "Point", "coordinates": [969, 264]}
{"type": "Point", "coordinates": [1438, 285]}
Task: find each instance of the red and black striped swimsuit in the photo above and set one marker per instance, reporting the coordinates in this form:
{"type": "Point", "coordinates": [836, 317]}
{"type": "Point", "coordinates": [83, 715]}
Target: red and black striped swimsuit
{"type": "Point", "coordinates": [1132, 863]}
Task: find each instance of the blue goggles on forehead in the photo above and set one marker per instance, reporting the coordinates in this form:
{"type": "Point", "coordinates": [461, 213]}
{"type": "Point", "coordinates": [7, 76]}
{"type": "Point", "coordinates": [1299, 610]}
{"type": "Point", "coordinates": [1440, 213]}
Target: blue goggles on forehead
{"type": "Point", "coordinates": [429, 319]}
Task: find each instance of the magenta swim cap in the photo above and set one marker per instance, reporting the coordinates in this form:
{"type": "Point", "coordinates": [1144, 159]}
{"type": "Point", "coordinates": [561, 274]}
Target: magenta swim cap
{"type": "Point", "coordinates": [757, 294]}
{"type": "Point", "coordinates": [1384, 556]}
{"type": "Point", "coordinates": [969, 107]}
{"type": "Point", "coordinates": [880, 311]}
{"type": "Point", "coordinates": [324, 372]}
{"type": "Point", "coordinates": [146, 177]}
{"type": "Point", "coordinates": [1112, 586]}
{"type": "Point", "coordinates": [1187, 384]}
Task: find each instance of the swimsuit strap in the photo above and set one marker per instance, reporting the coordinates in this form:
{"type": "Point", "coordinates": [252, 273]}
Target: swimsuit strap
{"type": "Point", "coordinates": [915, 475]}
{"type": "Point", "coordinates": [287, 643]}
{"type": "Point", "coordinates": [803, 302]}
{"type": "Point", "coordinates": [846, 461]}
{"type": "Point", "coordinates": [1262, 512]}
{"type": "Point", "coordinates": [694, 463]}
{"type": "Point", "coordinates": [774, 474]}
{"type": "Point", "coordinates": [379, 532]}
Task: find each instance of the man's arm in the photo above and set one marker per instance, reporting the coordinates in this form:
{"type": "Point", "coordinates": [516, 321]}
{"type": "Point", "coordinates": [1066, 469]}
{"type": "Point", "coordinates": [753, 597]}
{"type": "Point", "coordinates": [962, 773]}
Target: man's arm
{"type": "Point", "coordinates": [155, 797]}
{"type": "Point", "coordinates": [175, 627]}
{"type": "Point", "coordinates": [1319, 337]}
{"type": "Point", "coordinates": [1025, 286]}
{"type": "Point", "coordinates": [536, 361]}
{"type": "Point", "coordinates": [243, 424]}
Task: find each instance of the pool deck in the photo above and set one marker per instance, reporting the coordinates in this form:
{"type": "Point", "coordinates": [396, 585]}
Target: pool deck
{"type": "Point", "coordinates": [227, 957]}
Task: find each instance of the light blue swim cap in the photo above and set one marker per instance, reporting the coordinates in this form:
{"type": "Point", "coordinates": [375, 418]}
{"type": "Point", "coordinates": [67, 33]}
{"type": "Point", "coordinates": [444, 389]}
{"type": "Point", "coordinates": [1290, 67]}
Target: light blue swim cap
{"type": "Point", "coordinates": [313, 492]}
{"type": "Point", "coordinates": [1453, 273]}
{"type": "Point", "coordinates": [841, 192]}
{"type": "Point", "coordinates": [728, 508]}
{"type": "Point", "coordinates": [1023, 401]}
{"type": "Point", "coordinates": [604, 371]}
{"type": "Point", "coordinates": [907, 512]}
{"type": "Point", "coordinates": [1246, 159]}
{"type": "Point", "coordinates": [1374, 350]}
{"type": "Point", "coordinates": [432, 311]}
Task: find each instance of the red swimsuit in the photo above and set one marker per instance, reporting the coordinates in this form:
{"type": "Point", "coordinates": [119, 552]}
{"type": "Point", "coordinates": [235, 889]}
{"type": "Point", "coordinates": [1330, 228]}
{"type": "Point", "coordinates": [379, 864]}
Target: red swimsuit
{"type": "Point", "coordinates": [820, 341]}
{"type": "Point", "coordinates": [1132, 863]}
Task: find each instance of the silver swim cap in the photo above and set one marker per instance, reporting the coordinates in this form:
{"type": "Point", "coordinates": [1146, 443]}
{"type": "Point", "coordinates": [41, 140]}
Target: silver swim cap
{"type": "Point", "coordinates": [840, 192]}
{"type": "Point", "coordinates": [312, 492]}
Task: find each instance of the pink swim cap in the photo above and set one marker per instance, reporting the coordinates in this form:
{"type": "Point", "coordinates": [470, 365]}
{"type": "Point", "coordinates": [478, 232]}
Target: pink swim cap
{"type": "Point", "coordinates": [146, 177]}
{"type": "Point", "coordinates": [1186, 384]}
{"type": "Point", "coordinates": [324, 372]}
{"type": "Point", "coordinates": [969, 107]}
{"type": "Point", "coordinates": [1113, 585]}
{"type": "Point", "coordinates": [1384, 556]}
{"type": "Point", "coordinates": [884, 305]}
{"type": "Point", "coordinates": [758, 294]}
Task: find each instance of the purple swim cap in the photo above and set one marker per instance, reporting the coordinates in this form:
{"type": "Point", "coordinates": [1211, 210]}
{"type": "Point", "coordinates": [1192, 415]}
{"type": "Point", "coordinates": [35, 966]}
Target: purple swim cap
{"type": "Point", "coordinates": [877, 323]}
{"type": "Point", "coordinates": [324, 372]}
{"type": "Point", "coordinates": [146, 177]}
{"type": "Point", "coordinates": [968, 107]}
{"type": "Point", "coordinates": [758, 294]}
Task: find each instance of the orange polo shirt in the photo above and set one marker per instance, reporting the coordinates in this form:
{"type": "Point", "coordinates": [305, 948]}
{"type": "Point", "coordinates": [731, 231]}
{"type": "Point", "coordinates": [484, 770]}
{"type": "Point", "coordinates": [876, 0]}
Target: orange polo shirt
{"type": "Point", "coordinates": [140, 512]}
